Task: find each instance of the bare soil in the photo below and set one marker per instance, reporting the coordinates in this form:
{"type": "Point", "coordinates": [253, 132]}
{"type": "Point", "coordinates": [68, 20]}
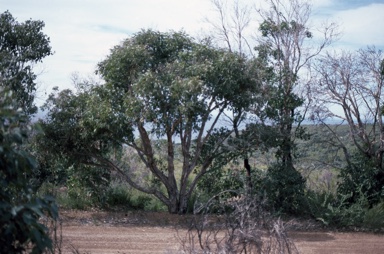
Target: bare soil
{"type": "Point", "coordinates": [141, 232]}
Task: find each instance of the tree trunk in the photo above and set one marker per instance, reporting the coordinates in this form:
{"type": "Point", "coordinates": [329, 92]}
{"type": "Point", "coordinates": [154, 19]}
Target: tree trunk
{"type": "Point", "coordinates": [249, 177]}
{"type": "Point", "coordinates": [178, 205]}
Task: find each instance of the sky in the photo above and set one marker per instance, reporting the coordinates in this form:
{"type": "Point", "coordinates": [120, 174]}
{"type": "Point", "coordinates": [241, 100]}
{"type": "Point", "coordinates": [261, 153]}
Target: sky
{"type": "Point", "coordinates": [82, 32]}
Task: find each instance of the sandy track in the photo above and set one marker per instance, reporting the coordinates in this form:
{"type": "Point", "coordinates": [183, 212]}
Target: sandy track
{"type": "Point", "coordinates": [100, 239]}
{"type": "Point", "coordinates": [99, 232]}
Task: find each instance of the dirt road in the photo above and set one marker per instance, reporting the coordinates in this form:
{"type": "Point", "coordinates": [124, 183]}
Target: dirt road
{"type": "Point", "coordinates": [100, 232]}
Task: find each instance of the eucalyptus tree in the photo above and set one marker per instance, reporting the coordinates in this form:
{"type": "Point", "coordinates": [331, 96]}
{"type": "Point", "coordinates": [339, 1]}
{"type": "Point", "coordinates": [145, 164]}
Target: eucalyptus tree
{"type": "Point", "coordinates": [21, 46]}
{"type": "Point", "coordinates": [350, 91]}
{"type": "Point", "coordinates": [287, 46]}
{"type": "Point", "coordinates": [157, 86]}
{"type": "Point", "coordinates": [21, 229]}
{"type": "Point", "coordinates": [283, 52]}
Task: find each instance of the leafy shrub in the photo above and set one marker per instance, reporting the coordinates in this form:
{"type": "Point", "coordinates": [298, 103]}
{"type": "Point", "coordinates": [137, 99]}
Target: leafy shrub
{"type": "Point", "coordinates": [140, 202]}
{"type": "Point", "coordinates": [228, 182]}
{"type": "Point", "coordinates": [354, 205]}
{"type": "Point", "coordinates": [320, 205]}
{"type": "Point", "coordinates": [155, 205]}
{"type": "Point", "coordinates": [284, 189]}
{"type": "Point", "coordinates": [374, 217]}
{"type": "Point", "coordinates": [335, 210]}
{"type": "Point", "coordinates": [361, 179]}
{"type": "Point", "coordinates": [220, 180]}
{"type": "Point", "coordinates": [118, 194]}
{"type": "Point", "coordinates": [20, 210]}
{"type": "Point", "coordinates": [85, 187]}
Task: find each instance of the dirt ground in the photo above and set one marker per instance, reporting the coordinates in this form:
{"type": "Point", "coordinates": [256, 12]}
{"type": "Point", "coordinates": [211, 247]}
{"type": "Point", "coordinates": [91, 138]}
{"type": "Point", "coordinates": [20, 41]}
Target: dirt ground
{"type": "Point", "coordinates": [140, 232]}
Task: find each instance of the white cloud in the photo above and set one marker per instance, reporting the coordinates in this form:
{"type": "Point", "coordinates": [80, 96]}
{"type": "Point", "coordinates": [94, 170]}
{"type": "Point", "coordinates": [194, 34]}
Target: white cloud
{"type": "Point", "coordinates": [321, 3]}
{"type": "Point", "coordinates": [363, 26]}
{"type": "Point", "coordinates": [83, 31]}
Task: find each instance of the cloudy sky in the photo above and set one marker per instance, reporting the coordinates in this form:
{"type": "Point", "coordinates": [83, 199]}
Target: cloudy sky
{"type": "Point", "coordinates": [83, 31]}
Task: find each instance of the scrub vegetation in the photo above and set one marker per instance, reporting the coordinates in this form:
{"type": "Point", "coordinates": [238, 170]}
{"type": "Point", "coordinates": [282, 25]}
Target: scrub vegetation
{"type": "Point", "coordinates": [207, 127]}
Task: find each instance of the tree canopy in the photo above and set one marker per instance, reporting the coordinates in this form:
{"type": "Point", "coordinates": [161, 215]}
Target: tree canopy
{"type": "Point", "coordinates": [20, 210]}
{"type": "Point", "coordinates": [21, 46]}
{"type": "Point", "coordinates": [157, 86]}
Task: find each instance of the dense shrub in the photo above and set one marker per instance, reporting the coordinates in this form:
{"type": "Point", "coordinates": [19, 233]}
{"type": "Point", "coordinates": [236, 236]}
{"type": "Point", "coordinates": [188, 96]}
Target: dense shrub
{"type": "Point", "coordinates": [334, 210]}
{"type": "Point", "coordinates": [117, 195]}
{"type": "Point", "coordinates": [361, 179]}
{"type": "Point", "coordinates": [230, 182]}
{"type": "Point", "coordinates": [20, 210]}
{"type": "Point", "coordinates": [220, 180]}
{"type": "Point", "coordinates": [284, 189]}
{"type": "Point", "coordinates": [374, 217]}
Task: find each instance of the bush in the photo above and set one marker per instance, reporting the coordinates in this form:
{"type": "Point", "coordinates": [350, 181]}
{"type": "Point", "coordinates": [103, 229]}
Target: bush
{"type": "Point", "coordinates": [284, 189]}
{"type": "Point", "coordinates": [374, 217]}
{"type": "Point", "coordinates": [357, 202]}
{"type": "Point", "coordinates": [336, 211]}
{"type": "Point", "coordinates": [224, 179]}
{"type": "Point", "coordinates": [118, 194]}
{"type": "Point", "coordinates": [140, 202]}
{"type": "Point", "coordinates": [229, 183]}
{"type": "Point", "coordinates": [20, 210]}
{"type": "Point", "coordinates": [320, 206]}
{"type": "Point", "coordinates": [84, 187]}
{"type": "Point", "coordinates": [362, 179]}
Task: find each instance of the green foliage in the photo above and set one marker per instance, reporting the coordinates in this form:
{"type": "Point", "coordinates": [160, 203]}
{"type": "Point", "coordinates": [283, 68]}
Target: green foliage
{"type": "Point", "coordinates": [50, 170]}
{"type": "Point", "coordinates": [21, 46]}
{"type": "Point", "coordinates": [284, 189]}
{"type": "Point", "coordinates": [273, 29]}
{"type": "Point", "coordinates": [19, 209]}
{"type": "Point", "coordinates": [141, 202]}
{"type": "Point", "coordinates": [92, 180]}
{"type": "Point", "coordinates": [231, 180]}
{"type": "Point", "coordinates": [362, 179]}
{"type": "Point", "coordinates": [221, 180]}
{"type": "Point", "coordinates": [158, 86]}
{"type": "Point", "coordinates": [374, 217]}
{"type": "Point", "coordinates": [320, 204]}
{"type": "Point", "coordinates": [118, 195]}
{"type": "Point", "coordinates": [73, 128]}
{"type": "Point", "coordinates": [283, 38]}
{"type": "Point", "coordinates": [335, 211]}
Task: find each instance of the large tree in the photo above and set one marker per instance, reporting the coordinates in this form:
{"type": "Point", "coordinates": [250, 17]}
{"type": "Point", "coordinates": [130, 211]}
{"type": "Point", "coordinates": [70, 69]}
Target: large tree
{"type": "Point", "coordinates": [350, 91]}
{"type": "Point", "coordinates": [21, 46]}
{"type": "Point", "coordinates": [288, 46]}
{"type": "Point", "coordinates": [285, 50]}
{"type": "Point", "coordinates": [20, 210]}
{"type": "Point", "coordinates": [158, 86]}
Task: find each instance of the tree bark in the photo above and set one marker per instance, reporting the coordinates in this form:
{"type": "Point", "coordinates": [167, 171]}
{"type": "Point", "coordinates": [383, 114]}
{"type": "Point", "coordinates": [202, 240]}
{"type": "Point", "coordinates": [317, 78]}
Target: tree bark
{"type": "Point", "coordinates": [249, 176]}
